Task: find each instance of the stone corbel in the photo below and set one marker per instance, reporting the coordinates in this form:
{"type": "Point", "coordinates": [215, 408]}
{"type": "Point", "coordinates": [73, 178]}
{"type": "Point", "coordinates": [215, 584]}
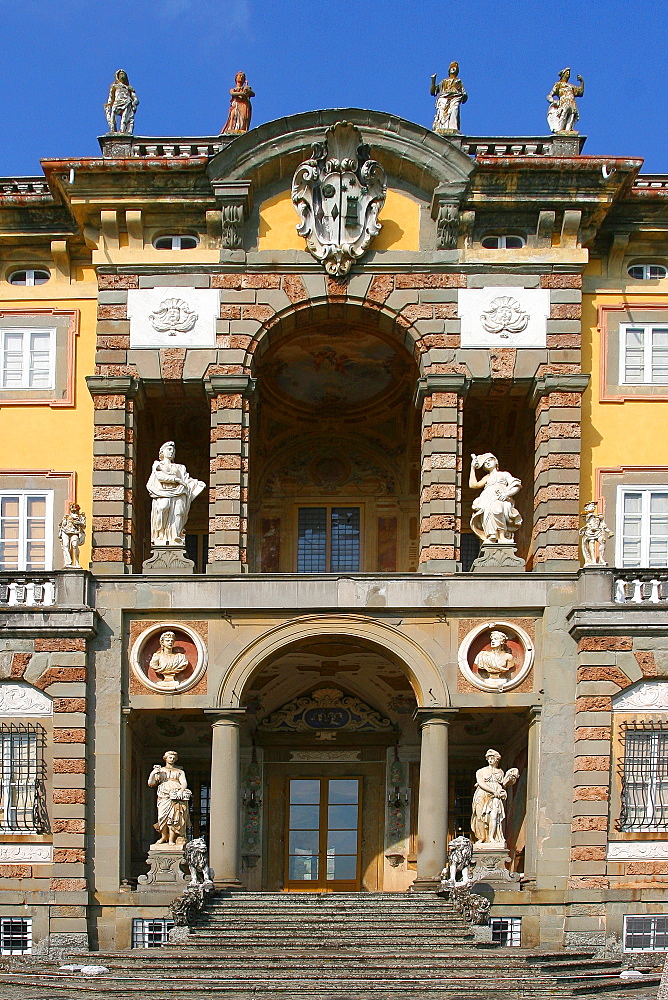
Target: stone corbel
{"type": "Point", "coordinates": [114, 385]}
{"type": "Point", "coordinates": [235, 200]}
{"type": "Point", "coordinates": [217, 385]}
{"type": "Point", "coordinates": [445, 204]}
{"type": "Point", "coordinates": [109, 226]}
{"type": "Point", "coordinates": [214, 227]}
{"type": "Point", "coordinates": [428, 384]}
{"type": "Point", "coordinates": [620, 244]}
{"type": "Point", "coordinates": [570, 228]}
{"type": "Point", "coordinates": [543, 385]}
{"type": "Point", "coordinates": [135, 227]}
{"type": "Point", "coordinates": [61, 257]}
{"type": "Point", "coordinates": [466, 226]}
{"type": "Point", "coordinates": [545, 229]}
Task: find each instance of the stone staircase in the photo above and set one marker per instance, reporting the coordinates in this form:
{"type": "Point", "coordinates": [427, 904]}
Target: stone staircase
{"type": "Point", "coordinates": [321, 946]}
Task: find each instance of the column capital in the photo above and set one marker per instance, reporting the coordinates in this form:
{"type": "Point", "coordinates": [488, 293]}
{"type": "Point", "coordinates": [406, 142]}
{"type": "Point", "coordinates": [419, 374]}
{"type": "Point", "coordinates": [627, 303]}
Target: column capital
{"type": "Point", "coordinates": [427, 384]}
{"type": "Point", "coordinates": [543, 385]}
{"type": "Point", "coordinates": [225, 716]}
{"type": "Point", "coordinates": [434, 716]}
{"type": "Point", "coordinates": [113, 385]}
{"type": "Point", "coordinates": [217, 385]}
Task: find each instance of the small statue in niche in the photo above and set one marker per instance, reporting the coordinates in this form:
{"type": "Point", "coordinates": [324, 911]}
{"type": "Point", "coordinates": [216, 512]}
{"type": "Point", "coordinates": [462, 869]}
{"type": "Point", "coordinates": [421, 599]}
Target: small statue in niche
{"type": "Point", "coordinates": [72, 534]}
{"type": "Point", "coordinates": [121, 104]}
{"type": "Point", "coordinates": [489, 798]}
{"type": "Point", "coordinates": [594, 534]}
{"type": "Point", "coordinates": [173, 798]}
{"type": "Point", "coordinates": [449, 94]}
{"type": "Point", "coordinates": [172, 491]}
{"type": "Point", "coordinates": [498, 660]}
{"type": "Point", "coordinates": [494, 518]}
{"type": "Point", "coordinates": [563, 112]}
{"type": "Point", "coordinates": [239, 117]}
{"type": "Point", "coordinates": [168, 663]}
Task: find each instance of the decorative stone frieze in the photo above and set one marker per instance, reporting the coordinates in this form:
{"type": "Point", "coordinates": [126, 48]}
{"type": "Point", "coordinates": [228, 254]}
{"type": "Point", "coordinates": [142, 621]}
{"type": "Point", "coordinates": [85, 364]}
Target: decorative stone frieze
{"type": "Point", "coordinates": [18, 700]}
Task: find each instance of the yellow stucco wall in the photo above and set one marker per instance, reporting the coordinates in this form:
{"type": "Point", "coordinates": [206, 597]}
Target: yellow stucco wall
{"type": "Point", "coordinates": [616, 434]}
{"type": "Point", "coordinates": [59, 439]}
{"type": "Point", "coordinates": [400, 219]}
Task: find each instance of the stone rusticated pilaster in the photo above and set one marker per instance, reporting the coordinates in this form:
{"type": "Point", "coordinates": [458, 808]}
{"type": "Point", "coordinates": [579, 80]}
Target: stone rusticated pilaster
{"type": "Point", "coordinates": [557, 401]}
{"type": "Point", "coordinates": [115, 400]}
{"type": "Point", "coordinates": [228, 505]}
{"type": "Point", "coordinates": [441, 398]}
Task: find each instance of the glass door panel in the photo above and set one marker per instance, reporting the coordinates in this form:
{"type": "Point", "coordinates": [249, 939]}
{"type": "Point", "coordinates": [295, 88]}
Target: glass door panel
{"type": "Point", "coordinates": [323, 833]}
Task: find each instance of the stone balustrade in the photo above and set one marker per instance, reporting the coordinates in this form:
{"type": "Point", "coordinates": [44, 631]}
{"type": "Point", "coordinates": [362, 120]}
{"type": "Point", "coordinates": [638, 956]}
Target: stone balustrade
{"type": "Point", "coordinates": [58, 588]}
{"type": "Point", "coordinates": [641, 586]}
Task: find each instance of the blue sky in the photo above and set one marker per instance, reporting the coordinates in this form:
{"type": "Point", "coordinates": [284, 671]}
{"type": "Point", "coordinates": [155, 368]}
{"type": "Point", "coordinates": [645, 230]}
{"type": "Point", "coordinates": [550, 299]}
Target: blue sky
{"type": "Point", "coordinates": [59, 57]}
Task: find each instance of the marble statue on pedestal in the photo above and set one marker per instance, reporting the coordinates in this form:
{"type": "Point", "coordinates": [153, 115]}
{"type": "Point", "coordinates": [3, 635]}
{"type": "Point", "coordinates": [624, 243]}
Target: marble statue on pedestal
{"type": "Point", "coordinates": [450, 95]}
{"type": "Point", "coordinates": [495, 518]}
{"type": "Point", "coordinates": [489, 798]}
{"type": "Point", "coordinates": [239, 117]}
{"type": "Point", "coordinates": [594, 534]}
{"type": "Point", "coordinates": [172, 491]}
{"type": "Point", "coordinates": [72, 534]}
{"type": "Point", "coordinates": [121, 104]}
{"type": "Point", "coordinates": [563, 112]}
{"type": "Point", "coordinates": [173, 798]}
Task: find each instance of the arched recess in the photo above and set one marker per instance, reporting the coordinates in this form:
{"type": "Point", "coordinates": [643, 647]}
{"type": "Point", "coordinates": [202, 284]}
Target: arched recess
{"type": "Point", "coordinates": [429, 687]}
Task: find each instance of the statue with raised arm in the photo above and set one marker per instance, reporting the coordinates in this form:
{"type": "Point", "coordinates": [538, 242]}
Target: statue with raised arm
{"type": "Point", "coordinates": [489, 798]}
{"type": "Point", "coordinates": [72, 534]}
{"type": "Point", "coordinates": [594, 534]}
{"type": "Point", "coordinates": [563, 112]}
{"type": "Point", "coordinates": [494, 518]}
{"type": "Point", "coordinates": [172, 491]}
{"type": "Point", "coordinates": [239, 117]}
{"type": "Point", "coordinates": [450, 95]}
{"type": "Point", "coordinates": [173, 798]}
{"type": "Point", "coordinates": [121, 104]}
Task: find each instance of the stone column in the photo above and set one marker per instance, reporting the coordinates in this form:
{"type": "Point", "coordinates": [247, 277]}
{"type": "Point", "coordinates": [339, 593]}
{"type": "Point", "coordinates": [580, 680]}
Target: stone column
{"type": "Point", "coordinates": [115, 400]}
{"type": "Point", "coordinates": [228, 500]}
{"type": "Point", "coordinates": [533, 791]}
{"type": "Point", "coordinates": [224, 817]}
{"type": "Point", "coordinates": [433, 802]}
{"type": "Point", "coordinates": [441, 398]}
{"type": "Point", "coordinates": [557, 400]}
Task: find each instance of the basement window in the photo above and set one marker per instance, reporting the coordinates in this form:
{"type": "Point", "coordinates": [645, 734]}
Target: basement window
{"type": "Point", "coordinates": [150, 933]}
{"type": "Point", "coordinates": [647, 272]}
{"type": "Point", "coordinates": [507, 241]}
{"type": "Point", "coordinates": [649, 933]}
{"type": "Point", "coordinates": [15, 935]}
{"type": "Point", "coordinates": [29, 276]}
{"type": "Point", "coordinates": [175, 242]}
{"type": "Point", "coordinates": [506, 931]}
{"type": "Point", "coordinates": [644, 773]}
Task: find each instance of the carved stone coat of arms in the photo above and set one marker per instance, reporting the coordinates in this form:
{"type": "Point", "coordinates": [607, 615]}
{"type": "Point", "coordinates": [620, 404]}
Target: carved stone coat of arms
{"type": "Point", "coordinates": [338, 194]}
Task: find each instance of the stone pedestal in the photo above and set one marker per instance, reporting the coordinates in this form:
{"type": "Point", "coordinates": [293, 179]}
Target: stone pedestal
{"type": "Point", "coordinates": [164, 870]}
{"type": "Point", "coordinates": [168, 559]}
{"type": "Point", "coordinates": [490, 867]}
{"type": "Point", "coordinates": [498, 557]}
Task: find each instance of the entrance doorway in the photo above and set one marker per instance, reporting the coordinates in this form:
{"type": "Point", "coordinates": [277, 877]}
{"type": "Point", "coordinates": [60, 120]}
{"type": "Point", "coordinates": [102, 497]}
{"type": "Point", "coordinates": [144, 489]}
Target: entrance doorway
{"type": "Point", "coordinates": [323, 834]}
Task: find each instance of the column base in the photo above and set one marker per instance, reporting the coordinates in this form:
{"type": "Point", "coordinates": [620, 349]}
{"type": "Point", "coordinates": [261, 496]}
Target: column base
{"type": "Point", "coordinates": [229, 885]}
{"type": "Point", "coordinates": [168, 559]}
{"type": "Point", "coordinates": [498, 557]}
{"type": "Point", "coordinates": [425, 884]}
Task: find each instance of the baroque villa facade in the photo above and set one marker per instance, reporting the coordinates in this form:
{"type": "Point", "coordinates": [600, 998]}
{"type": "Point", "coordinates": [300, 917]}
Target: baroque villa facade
{"type": "Point", "coordinates": [334, 617]}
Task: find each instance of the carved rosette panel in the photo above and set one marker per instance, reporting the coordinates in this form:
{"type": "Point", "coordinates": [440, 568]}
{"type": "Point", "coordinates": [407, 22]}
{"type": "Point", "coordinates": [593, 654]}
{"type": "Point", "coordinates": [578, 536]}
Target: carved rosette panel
{"type": "Point", "coordinates": [338, 194]}
{"type": "Point", "coordinates": [325, 710]}
{"type": "Point", "coordinates": [491, 665]}
{"type": "Point", "coordinates": [187, 642]}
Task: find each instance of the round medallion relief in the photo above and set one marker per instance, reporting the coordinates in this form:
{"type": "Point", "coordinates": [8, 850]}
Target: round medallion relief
{"type": "Point", "coordinates": [496, 656]}
{"type": "Point", "coordinates": [168, 658]}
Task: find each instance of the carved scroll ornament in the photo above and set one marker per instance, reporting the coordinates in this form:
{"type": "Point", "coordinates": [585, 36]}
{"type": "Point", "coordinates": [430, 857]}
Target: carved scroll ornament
{"type": "Point", "coordinates": [338, 194]}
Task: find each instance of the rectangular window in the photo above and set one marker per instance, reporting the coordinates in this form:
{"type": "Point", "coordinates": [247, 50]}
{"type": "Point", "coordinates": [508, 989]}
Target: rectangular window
{"type": "Point", "coordinates": [506, 931]}
{"type": "Point", "coordinates": [27, 359]}
{"type": "Point", "coordinates": [26, 530]}
{"type": "Point", "coordinates": [642, 527]}
{"type": "Point", "coordinates": [15, 935]}
{"type": "Point", "coordinates": [648, 933]}
{"type": "Point", "coordinates": [643, 354]}
{"type": "Point", "coordinates": [644, 780]}
{"type": "Point", "coordinates": [22, 795]}
{"type": "Point", "coordinates": [150, 933]}
{"type": "Point", "coordinates": [328, 540]}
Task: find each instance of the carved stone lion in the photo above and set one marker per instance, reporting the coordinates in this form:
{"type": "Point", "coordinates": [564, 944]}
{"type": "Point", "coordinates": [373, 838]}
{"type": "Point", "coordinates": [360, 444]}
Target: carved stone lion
{"type": "Point", "coordinates": [196, 856]}
{"type": "Point", "coordinates": [460, 855]}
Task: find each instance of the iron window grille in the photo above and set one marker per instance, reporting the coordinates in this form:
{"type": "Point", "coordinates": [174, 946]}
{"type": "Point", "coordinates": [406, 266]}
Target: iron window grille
{"type": "Point", "coordinates": [150, 933]}
{"type": "Point", "coordinates": [15, 935]}
{"type": "Point", "coordinates": [506, 931]}
{"type": "Point", "coordinates": [644, 774]}
{"type": "Point", "coordinates": [22, 773]}
{"type": "Point", "coordinates": [648, 933]}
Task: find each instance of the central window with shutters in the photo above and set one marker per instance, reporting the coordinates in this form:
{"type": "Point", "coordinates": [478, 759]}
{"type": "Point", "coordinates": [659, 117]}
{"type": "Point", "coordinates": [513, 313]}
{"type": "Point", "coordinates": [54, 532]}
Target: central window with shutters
{"type": "Point", "coordinates": [644, 354]}
{"type": "Point", "coordinates": [328, 540]}
{"type": "Point", "coordinates": [642, 527]}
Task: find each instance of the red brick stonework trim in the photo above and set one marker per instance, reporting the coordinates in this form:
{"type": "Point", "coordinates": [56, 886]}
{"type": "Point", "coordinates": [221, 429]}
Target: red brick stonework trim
{"type": "Point", "coordinates": [561, 281]}
{"type": "Point", "coordinates": [60, 645]}
{"type": "Point", "coordinates": [69, 796]}
{"type": "Point", "coordinates": [15, 871]}
{"type": "Point", "coordinates": [69, 884]}
{"type": "Point", "coordinates": [109, 282]}
{"type": "Point", "coordinates": [646, 662]}
{"type": "Point", "coordinates": [69, 735]}
{"type": "Point", "coordinates": [598, 643]}
{"type": "Point", "coordinates": [69, 765]}
{"type": "Point", "coordinates": [69, 826]}
{"type": "Point", "coordinates": [612, 674]}
{"type": "Point", "coordinates": [55, 675]}
{"type": "Point", "coordinates": [19, 663]}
